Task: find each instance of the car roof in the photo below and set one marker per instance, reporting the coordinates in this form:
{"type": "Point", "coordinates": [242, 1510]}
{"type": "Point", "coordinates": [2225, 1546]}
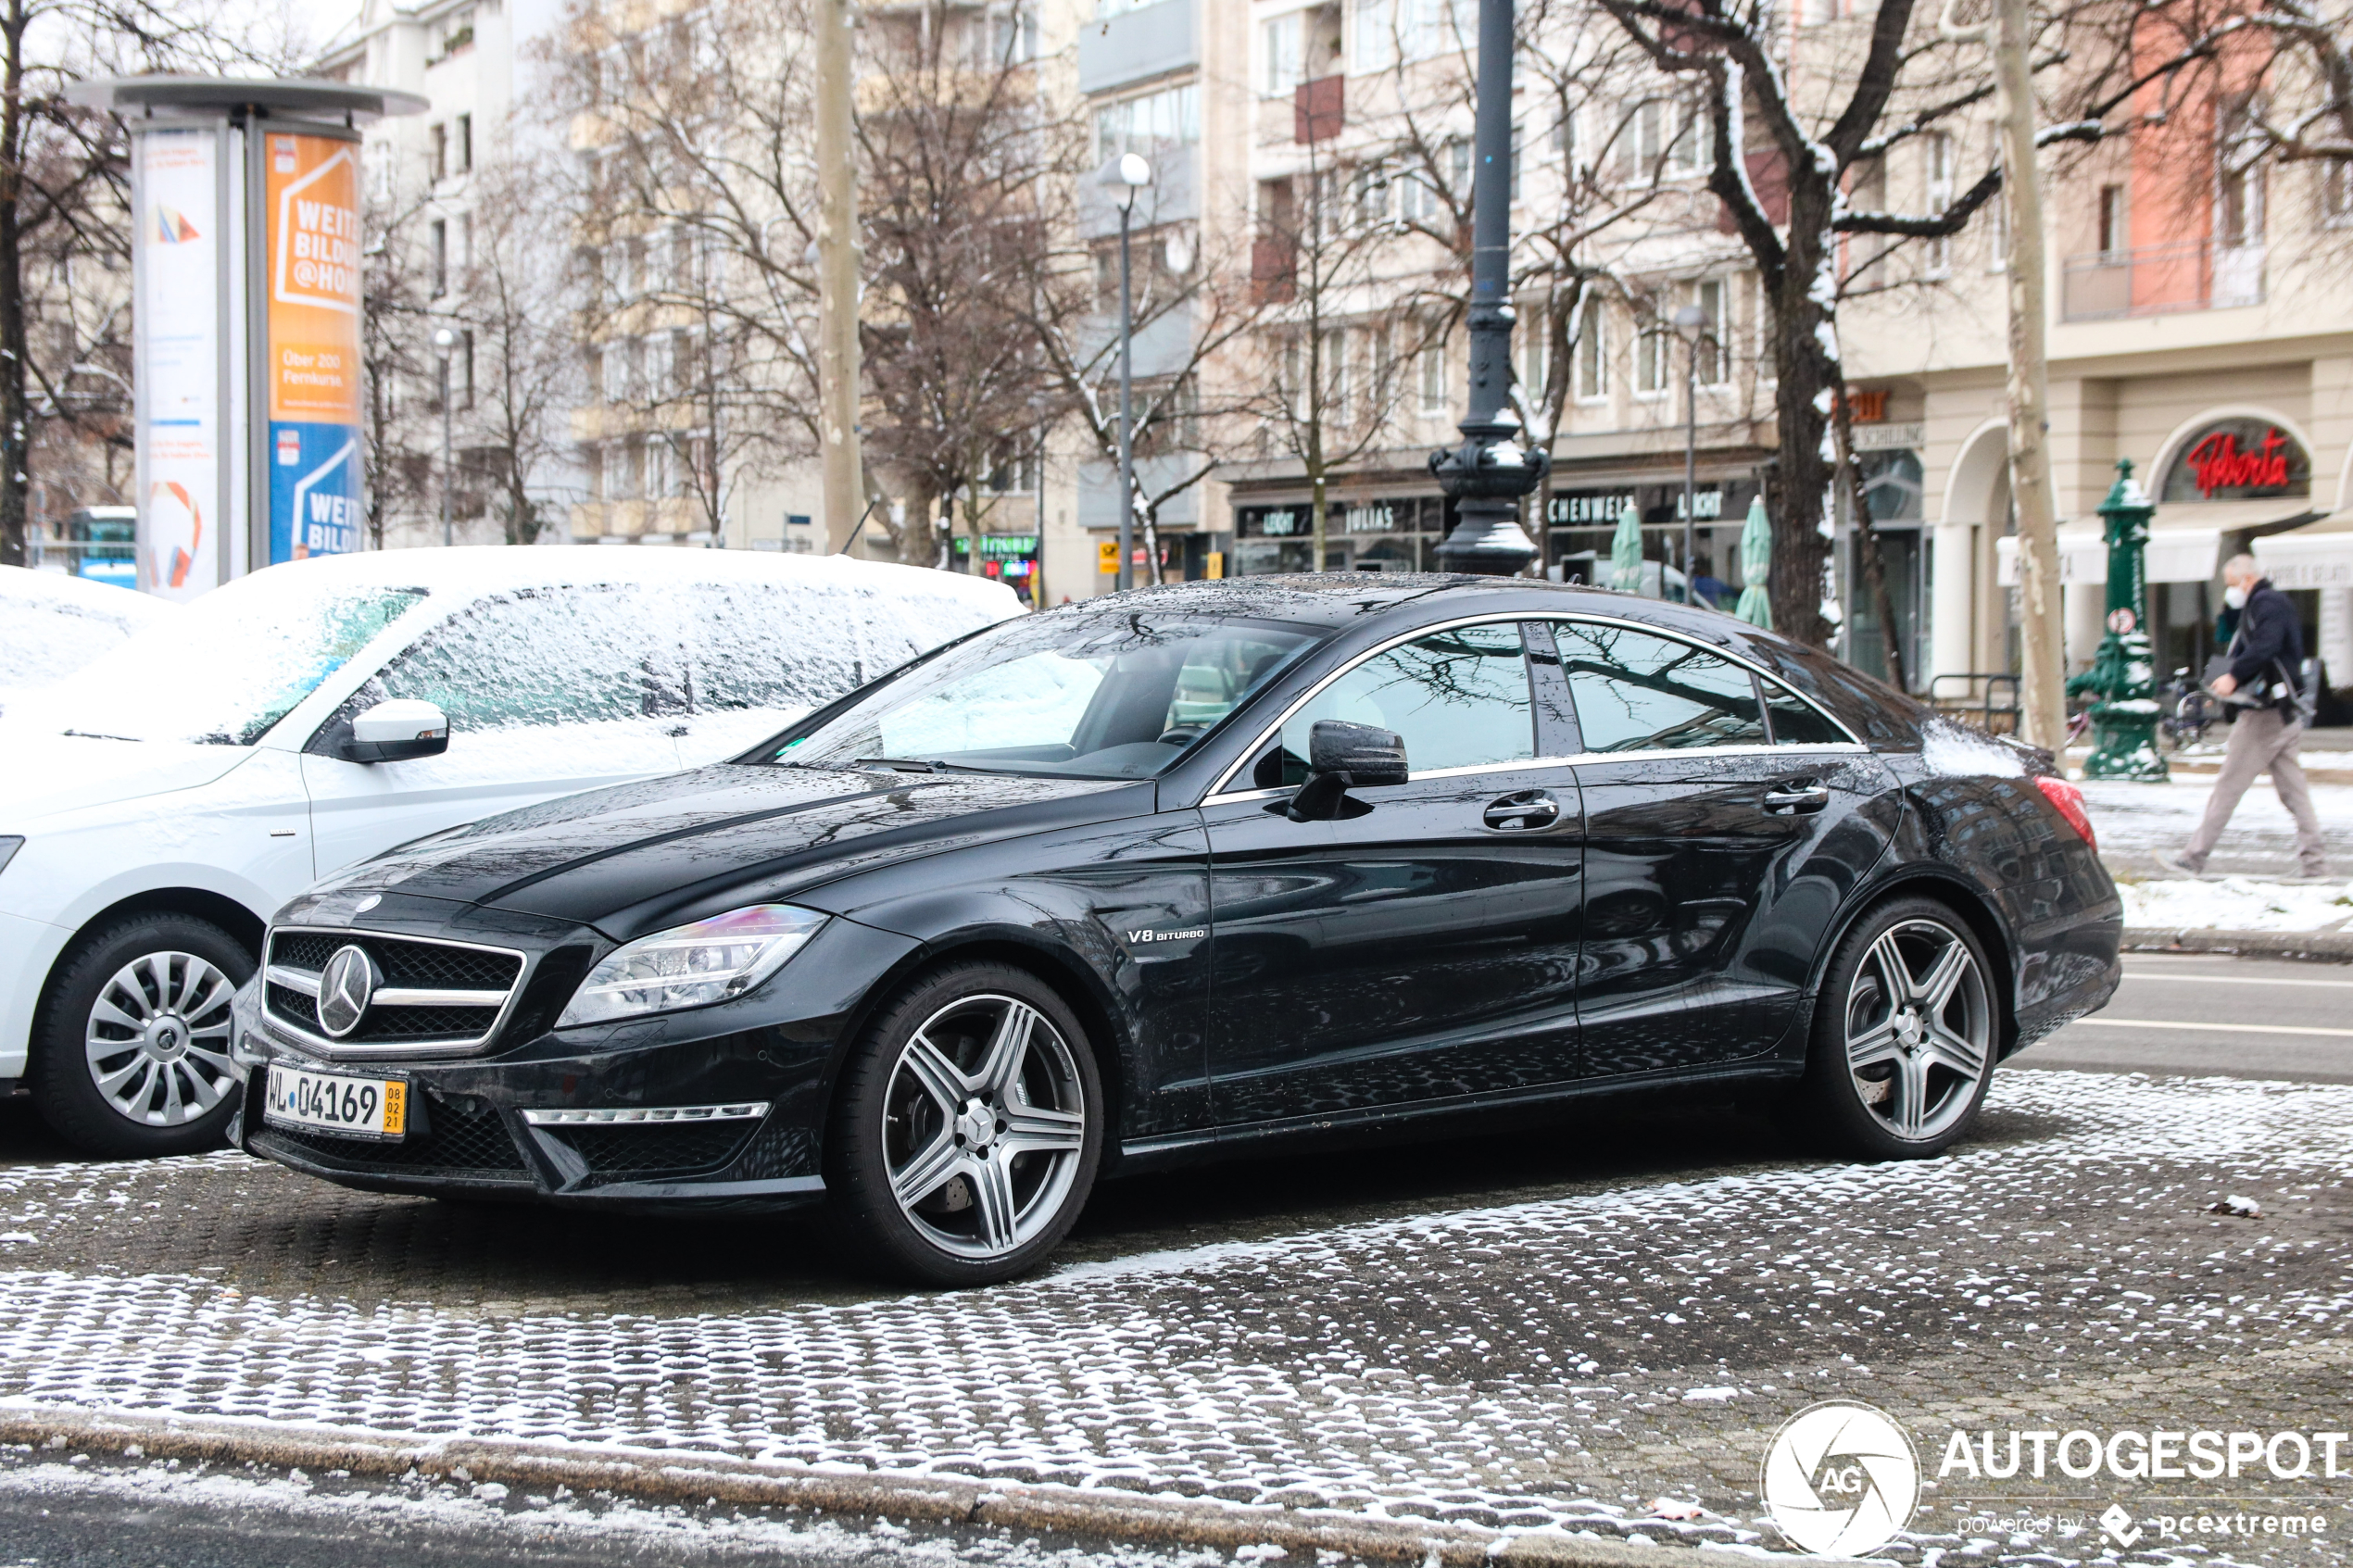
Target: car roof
{"type": "Point", "coordinates": [1339, 599]}
{"type": "Point", "coordinates": [469, 571]}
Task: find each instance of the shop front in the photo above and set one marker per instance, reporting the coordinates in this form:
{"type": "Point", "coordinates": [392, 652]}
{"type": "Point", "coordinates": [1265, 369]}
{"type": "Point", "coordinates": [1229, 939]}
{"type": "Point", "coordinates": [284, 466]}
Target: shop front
{"type": "Point", "coordinates": [1582, 526]}
{"type": "Point", "coordinates": [1377, 534]}
{"type": "Point", "coordinates": [1011, 558]}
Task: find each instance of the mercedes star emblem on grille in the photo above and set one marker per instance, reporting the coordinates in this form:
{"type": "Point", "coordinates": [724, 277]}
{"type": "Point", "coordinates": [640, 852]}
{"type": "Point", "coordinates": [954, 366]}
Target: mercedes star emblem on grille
{"type": "Point", "coordinates": [345, 987]}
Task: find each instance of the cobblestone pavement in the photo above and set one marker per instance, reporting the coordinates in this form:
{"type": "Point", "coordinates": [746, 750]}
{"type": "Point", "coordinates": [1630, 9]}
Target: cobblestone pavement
{"type": "Point", "coordinates": [1560, 1329]}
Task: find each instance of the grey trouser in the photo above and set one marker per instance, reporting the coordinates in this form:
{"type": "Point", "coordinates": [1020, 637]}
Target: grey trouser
{"type": "Point", "coordinates": [2262, 740]}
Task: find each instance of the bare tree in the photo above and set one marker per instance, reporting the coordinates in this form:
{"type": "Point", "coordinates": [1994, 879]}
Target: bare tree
{"type": "Point", "coordinates": [1788, 157]}
{"type": "Point", "coordinates": [65, 191]}
{"type": "Point", "coordinates": [1346, 317]}
{"type": "Point", "coordinates": [964, 163]}
{"type": "Point", "coordinates": [394, 361]}
{"type": "Point", "coordinates": [521, 304]}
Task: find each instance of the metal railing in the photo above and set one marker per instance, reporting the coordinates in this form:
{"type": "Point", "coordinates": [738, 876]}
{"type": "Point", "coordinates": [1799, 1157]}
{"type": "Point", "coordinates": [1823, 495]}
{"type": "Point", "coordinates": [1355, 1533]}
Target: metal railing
{"type": "Point", "coordinates": [1976, 699]}
{"type": "Point", "coordinates": [2160, 280]}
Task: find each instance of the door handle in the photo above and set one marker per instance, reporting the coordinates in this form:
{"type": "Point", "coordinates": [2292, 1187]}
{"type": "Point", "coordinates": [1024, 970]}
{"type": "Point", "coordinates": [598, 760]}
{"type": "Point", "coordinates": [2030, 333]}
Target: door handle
{"type": "Point", "coordinates": [1797, 796]}
{"type": "Point", "coordinates": [1519, 812]}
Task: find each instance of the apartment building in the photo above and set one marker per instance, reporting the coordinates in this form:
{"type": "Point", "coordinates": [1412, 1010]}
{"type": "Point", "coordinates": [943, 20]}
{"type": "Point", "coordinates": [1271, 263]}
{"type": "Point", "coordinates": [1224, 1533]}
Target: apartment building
{"type": "Point", "coordinates": [2200, 327]}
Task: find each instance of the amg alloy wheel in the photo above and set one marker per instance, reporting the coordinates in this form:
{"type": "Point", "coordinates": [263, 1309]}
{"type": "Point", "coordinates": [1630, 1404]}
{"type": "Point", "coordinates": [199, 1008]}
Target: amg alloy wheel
{"type": "Point", "coordinates": [131, 1049]}
{"type": "Point", "coordinates": [966, 1136]}
{"type": "Point", "coordinates": [1906, 1034]}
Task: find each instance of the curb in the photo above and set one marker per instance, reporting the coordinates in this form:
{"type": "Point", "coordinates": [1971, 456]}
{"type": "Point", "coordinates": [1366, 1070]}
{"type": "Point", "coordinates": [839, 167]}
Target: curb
{"type": "Point", "coordinates": [669, 1475]}
{"type": "Point", "coordinates": [2313, 946]}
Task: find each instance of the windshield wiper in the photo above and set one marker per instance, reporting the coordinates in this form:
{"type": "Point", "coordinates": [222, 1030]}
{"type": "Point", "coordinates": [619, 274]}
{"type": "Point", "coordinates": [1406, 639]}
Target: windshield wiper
{"type": "Point", "coordinates": [94, 735]}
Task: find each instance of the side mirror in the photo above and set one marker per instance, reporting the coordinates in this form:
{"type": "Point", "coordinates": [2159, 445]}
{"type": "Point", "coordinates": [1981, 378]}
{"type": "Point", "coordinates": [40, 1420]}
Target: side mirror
{"type": "Point", "coordinates": [395, 730]}
{"type": "Point", "coordinates": [1341, 756]}
{"type": "Point", "coordinates": [1367, 755]}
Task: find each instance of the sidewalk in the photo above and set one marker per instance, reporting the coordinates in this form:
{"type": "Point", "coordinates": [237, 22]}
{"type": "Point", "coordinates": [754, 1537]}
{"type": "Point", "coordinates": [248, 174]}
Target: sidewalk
{"type": "Point", "coordinates": [1556, 1361]}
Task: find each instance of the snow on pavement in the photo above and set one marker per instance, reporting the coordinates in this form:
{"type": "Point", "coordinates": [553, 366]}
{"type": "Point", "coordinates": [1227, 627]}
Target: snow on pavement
{"type": "Point", "coordinates": [1558, 1362]}
{"type": "Point", "coordinates": [2236, 903]}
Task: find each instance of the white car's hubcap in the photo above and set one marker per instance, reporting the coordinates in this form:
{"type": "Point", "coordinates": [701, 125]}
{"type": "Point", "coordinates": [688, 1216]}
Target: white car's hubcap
{"type": "Point", "coordinates": [157, 1039]}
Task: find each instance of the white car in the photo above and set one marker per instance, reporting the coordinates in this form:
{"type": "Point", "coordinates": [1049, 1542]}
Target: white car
{"type": "Point", "coordinates": [157, 805]}
{"type": "Point", "coordinates": [52, 624]}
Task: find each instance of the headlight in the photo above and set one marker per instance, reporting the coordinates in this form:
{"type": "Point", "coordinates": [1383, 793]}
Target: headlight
{"type": "Point", "coordinates": [692, 966]}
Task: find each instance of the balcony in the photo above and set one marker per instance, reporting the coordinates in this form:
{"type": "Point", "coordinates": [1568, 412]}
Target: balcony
{"type": "Point", "coordinates": [2109, 285]}
{"type": "Point", "coordinates": [1318, 108]}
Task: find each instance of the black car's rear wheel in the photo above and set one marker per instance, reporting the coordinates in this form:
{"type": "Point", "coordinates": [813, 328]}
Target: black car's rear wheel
{"type": "Point", "coordinates": [968, 1128]}
{"type": "Point", "coordinates": [1905, 1035]}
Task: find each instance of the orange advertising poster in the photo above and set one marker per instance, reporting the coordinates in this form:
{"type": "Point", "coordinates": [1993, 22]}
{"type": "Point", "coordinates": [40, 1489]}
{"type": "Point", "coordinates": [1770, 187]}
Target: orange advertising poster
{"type": "Point", "coordinates": [313, 186]}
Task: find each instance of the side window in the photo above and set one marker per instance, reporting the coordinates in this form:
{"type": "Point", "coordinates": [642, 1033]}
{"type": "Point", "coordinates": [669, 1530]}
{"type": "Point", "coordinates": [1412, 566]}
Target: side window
{"type": "Point", "coordinates": [1460, 699]}
{"type": "Point", "coordinates": [547, 656]}
{"type": "Point", "coordinates": [1636, 692]}
{"type": "Point", "coordinates": [755, 647]}
{"type": "Point", "coordinates": [1796, 722]}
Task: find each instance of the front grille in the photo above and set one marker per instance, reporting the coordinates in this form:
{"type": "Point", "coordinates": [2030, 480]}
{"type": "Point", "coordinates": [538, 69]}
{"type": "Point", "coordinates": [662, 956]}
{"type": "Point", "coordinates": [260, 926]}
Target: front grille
{"type": "Point", "coordinates": [404, 964]}
{"type": "Point", "coordinates": [640, 1151]}
{"type": "Point", "coordinates": [467, 1141]}
{"type": "Point", "coordinates": [421, 1024]}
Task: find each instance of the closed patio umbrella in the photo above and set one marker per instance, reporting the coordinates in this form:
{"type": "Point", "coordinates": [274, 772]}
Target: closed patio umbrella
{"type": "Point", "coordinates": [1756, 565]}
{"type": "Point", "coordinates": [1626, 552]}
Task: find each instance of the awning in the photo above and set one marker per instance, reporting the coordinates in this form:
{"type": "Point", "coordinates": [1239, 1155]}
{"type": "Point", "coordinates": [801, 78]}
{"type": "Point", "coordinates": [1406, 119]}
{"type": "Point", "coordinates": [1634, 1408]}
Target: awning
{"type": "Point", "coordinates": [2175, 554]}
{"type": "Point", "coordinates": [2317, 556]}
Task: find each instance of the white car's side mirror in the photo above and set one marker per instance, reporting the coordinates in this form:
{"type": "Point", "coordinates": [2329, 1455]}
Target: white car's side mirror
{"type": "Point", "coordinates": [392, 731]}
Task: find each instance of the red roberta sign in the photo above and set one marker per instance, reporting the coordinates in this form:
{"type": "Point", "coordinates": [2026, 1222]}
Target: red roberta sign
{"type": "Point", "coordinates": [2220, 465]}
{"type": "Point", "coordinates": [2238, 459]}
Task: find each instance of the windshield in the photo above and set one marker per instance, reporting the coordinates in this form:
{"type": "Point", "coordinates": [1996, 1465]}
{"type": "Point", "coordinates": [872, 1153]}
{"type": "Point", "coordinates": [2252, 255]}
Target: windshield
{"type": "Point", "coordinates": [1078, 694]}
{"type": "Point", "coordinates": [223, 671]}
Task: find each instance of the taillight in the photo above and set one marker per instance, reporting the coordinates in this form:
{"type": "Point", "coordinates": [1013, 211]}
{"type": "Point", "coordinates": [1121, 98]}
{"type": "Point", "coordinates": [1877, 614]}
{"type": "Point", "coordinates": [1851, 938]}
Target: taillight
{"type": "Point", "coordinates": [2070, 801]}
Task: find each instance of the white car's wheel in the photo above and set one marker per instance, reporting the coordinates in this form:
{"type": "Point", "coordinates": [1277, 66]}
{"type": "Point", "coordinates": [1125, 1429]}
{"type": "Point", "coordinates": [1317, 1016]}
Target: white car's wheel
{"type": "Point", "coordinates": [131, 1049]}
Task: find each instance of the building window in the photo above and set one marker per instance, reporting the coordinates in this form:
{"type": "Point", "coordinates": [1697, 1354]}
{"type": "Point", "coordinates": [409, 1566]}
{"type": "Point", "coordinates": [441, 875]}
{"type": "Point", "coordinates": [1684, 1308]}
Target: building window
{"type": "Point", "coordinates": [1335, 378]}
{"type": "Point", "coordinates": [465, 258]}
{"type": "Point", "coordinates": [1536, 339]}
{"type": "Point", "coordinates": [439, 231]}
{"type": "Point", "coordinates": [1657, 138]}
{"type": "Point", "coordinates": [2238, 196]}
{"type": "Point", "coordinates": [1283, 41]}
{"type": "Point", "coordinates": [1593, 351]}
{"type": "Point", "coordinates": [1014, 36]}
{"type": "Point", "coordinates": [437, 150]}
{"type": "Point", "coordinates": [1433, 377]}
{"type": "Point", "coordinates": [2337, 194]}
{"type": "Point", "coordinates": [2115, 238]}
{"type": "Point", "coordinates": [1373, 41]}
{"type": "Point", "coordinates": [1146, 124]}
{"type": "Point", "coordinates": [465, 142]}
{"type": "Point", "coordinates": [1714, 365]}
{"type": "Point", "coordinates": [1938, 156]}
{"type": "Point", "coordinates": [466, 368]}
{"type": "Point", "coordinates": [1653, 357]}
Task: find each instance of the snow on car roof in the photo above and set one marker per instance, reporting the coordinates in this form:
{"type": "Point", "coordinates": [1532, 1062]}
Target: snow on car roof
{"type": "Point", "coordinates": [244, 654]}
{"type": "Point", "coordinates": [78, 595]}
{"type": "Point", "coordinates": [484, 569]}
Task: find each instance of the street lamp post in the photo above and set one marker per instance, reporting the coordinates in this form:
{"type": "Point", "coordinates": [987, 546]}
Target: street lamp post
{"type": "Point", "coordinates": [1127, 173]}
{"type": "Point", "coordinates": [444, 340]}
{"type": "Point", "coordinates": [1691, 322]}
{"type": "Point", "coordinates": [1492, 470]}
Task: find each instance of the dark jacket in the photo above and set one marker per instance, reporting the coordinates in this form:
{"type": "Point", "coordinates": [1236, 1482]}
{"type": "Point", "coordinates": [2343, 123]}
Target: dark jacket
{"type": "Point", "coordinates": [2269, 646]}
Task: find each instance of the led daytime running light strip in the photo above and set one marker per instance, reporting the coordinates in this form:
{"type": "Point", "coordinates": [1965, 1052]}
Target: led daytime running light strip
{"type": "Point", "coordinates": [747, 1110]}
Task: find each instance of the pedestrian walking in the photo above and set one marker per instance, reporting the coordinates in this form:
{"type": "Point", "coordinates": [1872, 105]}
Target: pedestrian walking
{"type": "Point", "coordinates": [2265, 670]}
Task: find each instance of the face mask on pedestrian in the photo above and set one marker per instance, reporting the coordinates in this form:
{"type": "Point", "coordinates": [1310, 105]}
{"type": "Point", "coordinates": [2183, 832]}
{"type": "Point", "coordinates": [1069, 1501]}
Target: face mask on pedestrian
{"type": "Point", "coordinates": [2235, 597]}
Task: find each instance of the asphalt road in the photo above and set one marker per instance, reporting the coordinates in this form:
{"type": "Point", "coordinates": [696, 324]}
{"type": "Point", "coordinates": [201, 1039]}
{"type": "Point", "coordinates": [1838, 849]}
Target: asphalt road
{"type": "Point", "coordinates": [2199, 1013]}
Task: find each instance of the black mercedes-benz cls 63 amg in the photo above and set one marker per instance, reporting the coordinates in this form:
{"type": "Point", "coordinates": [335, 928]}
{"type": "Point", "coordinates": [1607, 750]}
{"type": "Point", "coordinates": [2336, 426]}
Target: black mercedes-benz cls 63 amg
{"type": "Point", "coordinates": [1180, 873]}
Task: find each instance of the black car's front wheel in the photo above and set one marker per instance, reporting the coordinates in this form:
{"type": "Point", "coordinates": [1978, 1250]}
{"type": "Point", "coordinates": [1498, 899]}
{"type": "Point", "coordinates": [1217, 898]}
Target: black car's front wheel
{"type": "Point", "coordinates": [967, 1130]}
{"type": "Point", "coordinates": [1905, 1035]}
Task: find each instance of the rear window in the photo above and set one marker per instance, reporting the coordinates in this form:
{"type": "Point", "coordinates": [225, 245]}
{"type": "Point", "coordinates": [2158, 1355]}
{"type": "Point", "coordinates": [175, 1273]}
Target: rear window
{"type": "Point", "coordinates": [1880, 715]}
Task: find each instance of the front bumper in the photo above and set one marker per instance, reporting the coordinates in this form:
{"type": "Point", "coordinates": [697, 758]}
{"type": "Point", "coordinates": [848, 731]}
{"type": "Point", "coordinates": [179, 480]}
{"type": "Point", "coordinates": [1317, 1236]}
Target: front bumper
{"type": "Point", "coordinates": [469, 1134]}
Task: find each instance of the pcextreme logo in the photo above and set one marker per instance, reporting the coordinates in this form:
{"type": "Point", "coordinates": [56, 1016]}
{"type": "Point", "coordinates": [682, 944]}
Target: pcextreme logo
{"type": "Point", "coordinates": [1840, 1479]}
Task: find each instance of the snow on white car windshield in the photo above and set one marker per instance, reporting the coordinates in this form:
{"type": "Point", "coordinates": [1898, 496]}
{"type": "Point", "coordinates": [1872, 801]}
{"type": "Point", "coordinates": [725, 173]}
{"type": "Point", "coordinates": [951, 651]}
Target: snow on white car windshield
{"type": "Point", "coordinates": [1077, 695]}
{"type": "Point", "coordinates": [235, 663]}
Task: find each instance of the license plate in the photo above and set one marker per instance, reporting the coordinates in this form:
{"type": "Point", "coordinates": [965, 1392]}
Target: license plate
{"type": "Point", "coordinates": [351, 1107]}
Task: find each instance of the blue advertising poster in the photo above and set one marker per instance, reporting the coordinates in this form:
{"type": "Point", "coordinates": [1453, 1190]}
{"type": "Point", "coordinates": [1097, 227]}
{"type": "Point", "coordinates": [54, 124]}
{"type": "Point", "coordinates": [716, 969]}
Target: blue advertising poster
{"type": "Point", "coordinates": [314, 491]}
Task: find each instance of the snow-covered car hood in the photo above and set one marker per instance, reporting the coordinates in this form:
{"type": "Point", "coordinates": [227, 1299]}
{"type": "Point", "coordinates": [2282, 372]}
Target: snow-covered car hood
{"type": "Point", "coordinates": [609, 853]}
{"type": "Point", "coordinates": [48, 774]}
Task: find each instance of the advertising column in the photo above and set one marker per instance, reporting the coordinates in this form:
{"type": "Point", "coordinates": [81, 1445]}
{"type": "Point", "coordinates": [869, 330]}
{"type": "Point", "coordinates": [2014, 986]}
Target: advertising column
{"type": "Point", "coordinates": [311, 258]}
{"type": "Point", "coordinates": [183, 525]}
